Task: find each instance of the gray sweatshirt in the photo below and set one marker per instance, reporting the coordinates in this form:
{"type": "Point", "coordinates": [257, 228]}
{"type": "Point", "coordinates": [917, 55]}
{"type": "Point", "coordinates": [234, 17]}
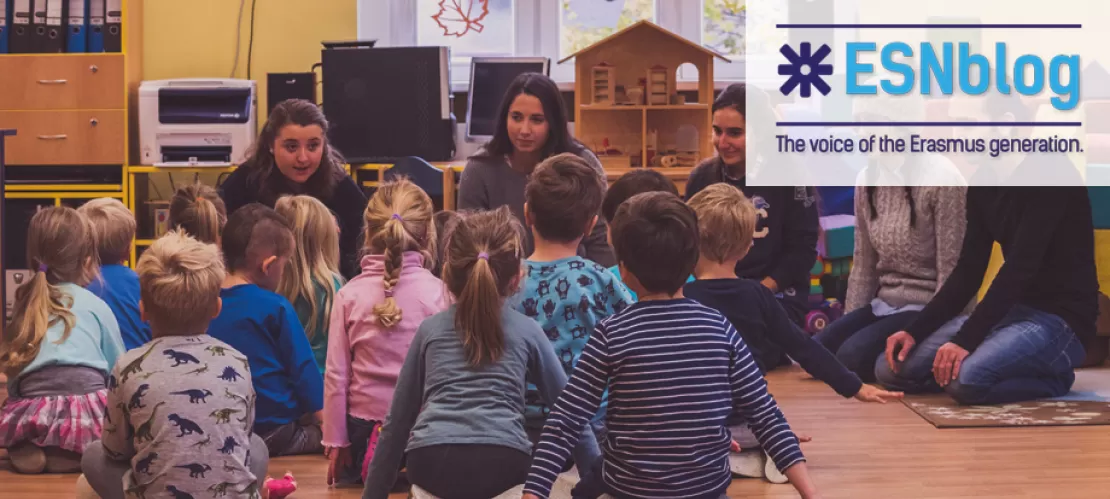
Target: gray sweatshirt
{"type": "Point", "coordinates": [489, 182]}
{"type": "Point", "coordinates": [900, 264]}
{"type": "Point", "coordinates": [441, 400]}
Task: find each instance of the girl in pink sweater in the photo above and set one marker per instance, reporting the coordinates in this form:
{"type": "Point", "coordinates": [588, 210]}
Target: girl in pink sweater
{"type": "Point", "coordinates": [373, 321]}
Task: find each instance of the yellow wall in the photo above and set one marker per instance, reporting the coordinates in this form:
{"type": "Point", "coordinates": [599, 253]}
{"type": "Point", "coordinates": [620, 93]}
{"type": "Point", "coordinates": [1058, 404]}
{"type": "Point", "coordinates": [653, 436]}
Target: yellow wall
{"type": "Point", "coordinates": [196, 38]}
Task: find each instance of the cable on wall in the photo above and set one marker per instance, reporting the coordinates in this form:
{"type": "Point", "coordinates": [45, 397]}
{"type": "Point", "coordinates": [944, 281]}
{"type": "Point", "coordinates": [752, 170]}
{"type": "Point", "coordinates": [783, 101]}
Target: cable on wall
{"type": "Point", "coordinates": [250, 41]}
{"type": "Point", "coordinates": [238, 38]}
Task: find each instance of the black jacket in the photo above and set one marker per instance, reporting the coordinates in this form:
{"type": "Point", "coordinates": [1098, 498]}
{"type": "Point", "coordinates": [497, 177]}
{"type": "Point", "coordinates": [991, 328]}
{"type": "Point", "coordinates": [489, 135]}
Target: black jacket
{"type": "Point", "coordinates": [347, 202]}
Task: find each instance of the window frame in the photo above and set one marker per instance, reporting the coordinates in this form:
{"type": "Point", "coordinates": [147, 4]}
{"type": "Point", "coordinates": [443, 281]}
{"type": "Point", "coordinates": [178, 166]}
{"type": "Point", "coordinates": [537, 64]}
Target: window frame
{"type": "Point", "coordinates": [536, 33]}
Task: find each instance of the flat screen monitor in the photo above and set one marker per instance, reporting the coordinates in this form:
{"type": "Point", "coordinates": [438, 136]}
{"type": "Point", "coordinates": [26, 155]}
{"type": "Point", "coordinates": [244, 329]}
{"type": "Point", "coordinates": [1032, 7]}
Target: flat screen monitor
{"type": "Point", "coordinates": [490, 78]}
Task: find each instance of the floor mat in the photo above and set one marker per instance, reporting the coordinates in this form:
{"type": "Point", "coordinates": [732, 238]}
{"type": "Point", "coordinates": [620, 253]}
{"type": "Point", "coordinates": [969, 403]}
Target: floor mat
{"type": "Point", "coordinates": [943, 412]}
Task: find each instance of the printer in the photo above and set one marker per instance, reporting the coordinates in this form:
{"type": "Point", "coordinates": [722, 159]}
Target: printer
{"type": "Point", "coordinates": [196, 122]}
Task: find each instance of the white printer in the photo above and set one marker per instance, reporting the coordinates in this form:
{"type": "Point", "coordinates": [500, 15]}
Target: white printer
{"type": "Point", "coordinates": [196, 122]}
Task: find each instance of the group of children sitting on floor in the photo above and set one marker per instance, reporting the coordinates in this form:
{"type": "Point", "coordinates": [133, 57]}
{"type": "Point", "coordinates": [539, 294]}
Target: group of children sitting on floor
{"type": "Point", "coordinates": [453, 356]}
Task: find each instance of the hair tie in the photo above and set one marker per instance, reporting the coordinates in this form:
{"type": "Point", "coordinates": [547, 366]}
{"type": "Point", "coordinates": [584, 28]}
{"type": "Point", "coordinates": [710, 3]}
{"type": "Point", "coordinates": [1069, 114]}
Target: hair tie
{"type": "Point", "coordinates": [389, 293]}
{"type": "Point", "coordinates": [42, 267]}
{"type": "Point", "coordinates": [483, 256]}
{"type": "Point", "coordinates": [396, 217]}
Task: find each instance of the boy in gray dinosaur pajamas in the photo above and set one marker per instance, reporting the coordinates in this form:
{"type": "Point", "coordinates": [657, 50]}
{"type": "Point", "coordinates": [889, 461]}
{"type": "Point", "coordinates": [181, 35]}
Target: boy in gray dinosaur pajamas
{"type": "Point", "coordinates": [180, 408]}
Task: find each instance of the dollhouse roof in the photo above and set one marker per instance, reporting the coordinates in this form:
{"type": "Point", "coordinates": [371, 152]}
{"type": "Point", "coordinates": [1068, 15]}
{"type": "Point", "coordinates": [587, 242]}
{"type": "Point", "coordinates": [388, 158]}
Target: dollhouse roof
{"type": "Point", "coordinates": [644, 25]}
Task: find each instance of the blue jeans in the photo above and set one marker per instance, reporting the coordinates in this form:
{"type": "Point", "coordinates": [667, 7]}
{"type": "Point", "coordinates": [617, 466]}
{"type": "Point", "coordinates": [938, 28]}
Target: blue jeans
{"type": "Point", "coordinates": [859, 336]}
{"type": "Point", "coordinates": [1029, 355]}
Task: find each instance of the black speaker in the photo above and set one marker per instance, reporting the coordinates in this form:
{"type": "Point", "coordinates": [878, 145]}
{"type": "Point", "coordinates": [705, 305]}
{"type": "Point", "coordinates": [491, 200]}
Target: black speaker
{"type": "Point", "coordinates": [285, 86]}
{"type": "Point", "coordinates": [388, 103]}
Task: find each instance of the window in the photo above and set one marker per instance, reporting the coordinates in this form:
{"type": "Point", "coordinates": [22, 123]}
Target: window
{"type": "Point", "coordinates": [722, 26]}
{"type": "Point", "coordinates": [470, 27]}
{"type": "Point", "coordinates": [585, 22]}
{"type": "Point", "coordinates": [552, 28]}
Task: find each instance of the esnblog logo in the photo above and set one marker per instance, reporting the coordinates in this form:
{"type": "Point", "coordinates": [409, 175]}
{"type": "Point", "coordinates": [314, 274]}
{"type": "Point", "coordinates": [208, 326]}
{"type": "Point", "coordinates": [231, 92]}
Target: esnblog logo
{"type": "Point", "coordinates": [805, 69]}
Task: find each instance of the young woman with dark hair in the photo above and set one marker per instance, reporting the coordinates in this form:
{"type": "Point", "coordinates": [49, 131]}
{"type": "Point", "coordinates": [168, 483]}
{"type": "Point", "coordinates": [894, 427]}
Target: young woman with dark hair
{"type": "Point", "coordinates": [531, 127]}
{"type": "Point", "coordinates": [293, 156]}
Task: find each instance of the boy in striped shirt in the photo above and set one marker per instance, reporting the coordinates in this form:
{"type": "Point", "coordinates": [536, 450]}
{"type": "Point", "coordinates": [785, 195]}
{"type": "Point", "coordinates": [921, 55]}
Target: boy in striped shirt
{"type": "Point", "coordinates": [676, 371]}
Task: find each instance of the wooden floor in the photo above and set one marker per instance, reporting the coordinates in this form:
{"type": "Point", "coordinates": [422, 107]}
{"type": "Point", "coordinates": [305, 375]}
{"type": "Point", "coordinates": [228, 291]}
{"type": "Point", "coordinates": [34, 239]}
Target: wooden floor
{"type": "Point", "coordinates": [858, 451]}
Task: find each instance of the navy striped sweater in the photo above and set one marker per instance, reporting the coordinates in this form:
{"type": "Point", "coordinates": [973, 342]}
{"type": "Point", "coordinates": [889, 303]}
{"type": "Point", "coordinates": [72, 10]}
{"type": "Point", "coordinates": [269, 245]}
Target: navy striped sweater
{"type": "Point", "coordinates": [675, 370]}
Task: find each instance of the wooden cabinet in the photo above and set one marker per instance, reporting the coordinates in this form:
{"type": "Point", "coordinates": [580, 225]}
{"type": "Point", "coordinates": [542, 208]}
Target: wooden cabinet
{"type": "Point", "coordinates": [52, 82]}
{"type": "Point", "coordinates": [66, 137]}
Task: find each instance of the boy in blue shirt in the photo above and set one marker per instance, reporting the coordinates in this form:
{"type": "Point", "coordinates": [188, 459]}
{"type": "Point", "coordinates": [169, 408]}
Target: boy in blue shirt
{"type": "Point", "coordinates": [635, 182]}
{"type": "Point", "coordinates": [567, 294]}
{"type": "Point", "coordinates": [257, 242]}
{"type": "Point", "coordinates": [118, 285]}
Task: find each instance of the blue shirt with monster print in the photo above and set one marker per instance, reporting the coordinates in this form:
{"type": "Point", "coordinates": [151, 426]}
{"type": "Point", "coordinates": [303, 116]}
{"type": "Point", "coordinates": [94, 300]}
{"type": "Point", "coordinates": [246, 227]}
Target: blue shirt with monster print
{"type": "Point", "coordinates": [568, 297]}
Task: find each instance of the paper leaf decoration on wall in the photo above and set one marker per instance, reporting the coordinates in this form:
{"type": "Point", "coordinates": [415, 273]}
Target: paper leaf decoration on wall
{"type": "Point", "coordinates": [459, 17]}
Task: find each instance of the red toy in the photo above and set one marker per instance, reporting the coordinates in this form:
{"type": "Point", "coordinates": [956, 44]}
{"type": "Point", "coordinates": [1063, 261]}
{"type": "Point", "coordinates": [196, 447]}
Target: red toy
{"type": "Point", "coordinates": [279, 488]}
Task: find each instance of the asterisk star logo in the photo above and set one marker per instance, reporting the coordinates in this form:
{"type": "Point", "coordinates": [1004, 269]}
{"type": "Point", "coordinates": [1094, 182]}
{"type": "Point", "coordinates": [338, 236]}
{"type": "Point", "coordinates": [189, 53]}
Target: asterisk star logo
{"type": "Point", "coordinates": [805, 69]}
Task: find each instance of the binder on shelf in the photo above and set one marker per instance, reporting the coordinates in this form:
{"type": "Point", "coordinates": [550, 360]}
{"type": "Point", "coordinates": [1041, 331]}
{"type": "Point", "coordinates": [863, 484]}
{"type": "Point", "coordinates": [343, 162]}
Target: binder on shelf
{"type": "Point", "coordinates": [4, 22]}
{"type": "Point", "coordinates": [19, 39]}
{"type": "Point", "coordinates": [113, 24]}
{"type": "Point", "coordinates": [77, 26]}
{"type": "Point", "coordinates": [54, 39]}
{"type": "Point", "coordinates": [96, 26]}
{"type": "Point", "coordinates": [38, 26]}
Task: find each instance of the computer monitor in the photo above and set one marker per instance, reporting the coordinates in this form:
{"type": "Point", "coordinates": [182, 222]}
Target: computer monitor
{"type": "Point", "coordinates": [490, 78]}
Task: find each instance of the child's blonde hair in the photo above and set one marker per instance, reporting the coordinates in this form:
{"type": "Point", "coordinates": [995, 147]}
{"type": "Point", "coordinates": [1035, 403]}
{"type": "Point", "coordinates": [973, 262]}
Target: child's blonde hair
{"type": "Point", "coordinates": [61, 248]}
{"type": "Point", "coordinates": [199, 210]}
{"type": "Point", "coordinates": [114, 226]}
{"type": "Point", "coordinates": [726, 222]}
{"type": "Point", "coordinates": [398, 219]}
{"type": "Point", "coordinates": [315, 260]}
{"type": "Point", "coordinates": [445, 222]}
{"type": "Point", "coordinates": [483, 263]}
{"type": "Point", "coordinates": [179, 284]}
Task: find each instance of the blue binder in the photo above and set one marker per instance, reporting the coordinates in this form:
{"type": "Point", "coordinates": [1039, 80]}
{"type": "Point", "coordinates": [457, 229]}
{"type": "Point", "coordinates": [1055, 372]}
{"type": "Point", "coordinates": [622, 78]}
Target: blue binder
{"type": "Point", "coordinates": [96, 26]}
{"type": "Point", "coordinates": [4, 26]}
{"type": "Point", "coordinates": [77, 26]}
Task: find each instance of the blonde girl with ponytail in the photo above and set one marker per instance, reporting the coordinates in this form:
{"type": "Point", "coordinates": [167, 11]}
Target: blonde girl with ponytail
{"type": "Point", "coordinates": [459, 403]}
{"type": "Point", "coordinates": [311, 278]}
{"type": "Point", "coordinates": [58, 350]}
{"type": "Point", "coordinates": [198, 210]}
{"type": "Point", "coordinates": [373, 320]}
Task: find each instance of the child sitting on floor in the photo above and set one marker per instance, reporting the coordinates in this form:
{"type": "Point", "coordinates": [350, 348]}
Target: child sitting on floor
{"type": "Point", "coordinates": [311, 277]}
{"type": "Point", "coordinates": [257, 243]}
{"type": "Point", "coordinates": [175, 422]}
{"type": "Point", "coordinates": [118, 286]}
{"type": "Point", "coordinates": [726, 226]}
{"type": "Point", "coordinates": [199, 211]}
{"type": "Point", "coordinates": [567, 294]}
{"type": "Point", "coordinates": [58, 349]}
{"type": "Point", "coordinates": [637, 181]}
{"type": "Point", "coordinates": [675, 369]}
{"type": "Point", "coordinates": [456, 412]}
{"type": "Point", "coordinates": [373, 321]}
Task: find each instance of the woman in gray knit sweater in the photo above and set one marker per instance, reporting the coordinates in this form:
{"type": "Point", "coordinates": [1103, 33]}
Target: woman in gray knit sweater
{"type": "Point", "coordinates": [908, 240]}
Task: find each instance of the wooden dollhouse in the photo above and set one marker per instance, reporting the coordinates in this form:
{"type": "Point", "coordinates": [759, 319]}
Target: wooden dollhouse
{"type": "Point", "coordinates": [627, 107]}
